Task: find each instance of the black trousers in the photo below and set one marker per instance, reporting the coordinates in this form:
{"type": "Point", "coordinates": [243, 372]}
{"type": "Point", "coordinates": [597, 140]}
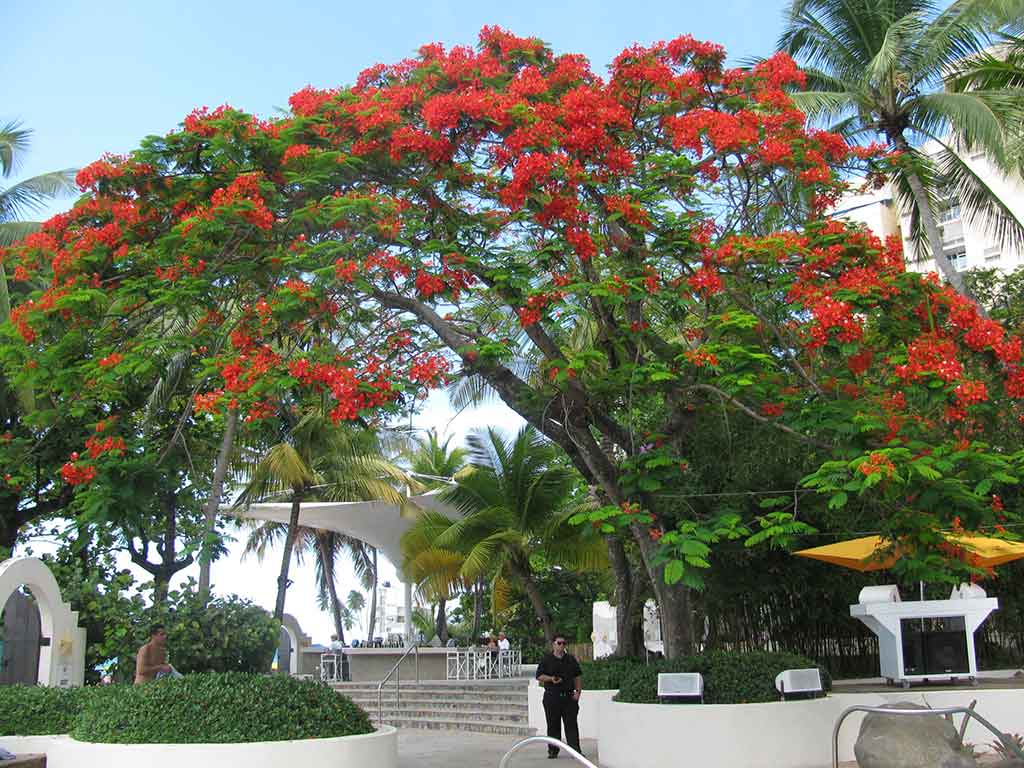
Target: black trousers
{"type": "Point", "coordinates": [562, 708]}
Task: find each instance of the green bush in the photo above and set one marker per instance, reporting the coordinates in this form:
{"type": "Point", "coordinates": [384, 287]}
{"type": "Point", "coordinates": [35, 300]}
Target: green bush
{"type": "Point", "coordinates": [225, 635]}
{"type": "Point", "coordinates": [607, 674]}
{"type": "Point", "coordinates": [218, 708]}
{"type": "Point", "coordinates": [36, 710]}
{"type": "Point", "coordinates": [729, 678]}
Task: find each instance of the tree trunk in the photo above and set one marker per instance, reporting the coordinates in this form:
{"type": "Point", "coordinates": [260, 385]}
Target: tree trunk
{"type": "Point", "coordinates": [167, 550]}
{"type": "Point", "coordinates": [478, 608]}
{"type": "Point", "coordinates": [373, 598]}
{"type": "Point", "coordinates": [931, 227]}
{"type": "Point", "coordinates": [441, 624]}
{"type": "Point", "coordinates": [625, 637]}
{"type": "Point", "coordinates": [213, 502]}
{"type": "Point", "coordinates": [327, 564]}
{"type": "Point", "coordinates": [533, 593]}
{"type": "Point", "coordinates": [286, 558]}
{"type": "Point", "coordinates": [673, 600]}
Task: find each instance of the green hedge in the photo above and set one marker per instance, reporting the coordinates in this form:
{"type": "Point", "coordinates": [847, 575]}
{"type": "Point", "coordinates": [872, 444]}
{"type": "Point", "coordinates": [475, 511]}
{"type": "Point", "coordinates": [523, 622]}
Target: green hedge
{"type": "Point", "coordinates": [607, 674]}
{"type": "Point", "coordinates": [30, 710]}
{"type": "Point", "coordinates": [229, 707]}
{"type": "Point", "coordinates": [729, 678]}
{"type": "Point", "coordinates": [216, 708]}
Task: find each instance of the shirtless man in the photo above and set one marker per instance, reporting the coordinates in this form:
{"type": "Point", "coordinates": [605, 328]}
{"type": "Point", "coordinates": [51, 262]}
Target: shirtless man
{"type": "Point", "coordinates": [152, 657]}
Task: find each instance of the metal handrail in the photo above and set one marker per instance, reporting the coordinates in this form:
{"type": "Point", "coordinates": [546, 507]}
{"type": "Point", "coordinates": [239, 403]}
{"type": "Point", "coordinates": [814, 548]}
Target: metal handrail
{"type": "Point", "coordinates": [1003, 738]}
{"type": "Point", "coordinates": [551, 743]}
{"type": "Point", "coordinates": [415, 649]}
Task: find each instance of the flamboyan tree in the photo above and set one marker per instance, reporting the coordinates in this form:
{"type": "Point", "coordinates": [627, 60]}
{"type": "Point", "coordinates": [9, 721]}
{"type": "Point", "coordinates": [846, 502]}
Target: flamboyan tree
{"type": "Point", "coordinates": [467, 210]}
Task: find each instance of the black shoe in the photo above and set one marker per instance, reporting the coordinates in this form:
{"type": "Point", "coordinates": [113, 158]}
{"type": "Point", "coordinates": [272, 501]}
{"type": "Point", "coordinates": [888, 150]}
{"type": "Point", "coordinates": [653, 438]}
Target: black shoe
{"type": "Point", "coordinates": [552, 755]}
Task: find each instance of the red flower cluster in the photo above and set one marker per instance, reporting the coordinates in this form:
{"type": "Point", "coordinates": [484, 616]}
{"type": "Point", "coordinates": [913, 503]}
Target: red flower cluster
{"type": "Point", "coordinates": [429, 369]}
{"type": "Point", "coordinates": [97, 447]}
{"type": "Point", "coordinates": [931, 355]}
{"type": "Point", "coordinates": [75, 473]}
{"type": "Point", "coordinates": [877, 462]}
{"type": "Point", "coordinates": [700, 358]}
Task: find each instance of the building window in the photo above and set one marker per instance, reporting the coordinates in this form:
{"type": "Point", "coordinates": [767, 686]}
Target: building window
{"type": "Point", "coordinates": [958, 258]}
{"type": "Point", "coordinates": [949, 211]}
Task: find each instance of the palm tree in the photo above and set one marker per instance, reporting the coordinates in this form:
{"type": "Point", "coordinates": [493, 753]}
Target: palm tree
{"type": "Point", "coordinates": [19, 201]}
{"type": "Point", "coordinates": [322, 460]}
{"type": "Point", "coordinates": [1000, 68]}
{"type": "Point", "coordinates": [876, 67]}
{"type": "Point", "coordinates": [433, 463]}
{"type": "Point", "coordinates": [29, 196]}
{"type": "Point", "coordinates": [364, 563]}
{"type": "Point", "coordinates": [515, 501]}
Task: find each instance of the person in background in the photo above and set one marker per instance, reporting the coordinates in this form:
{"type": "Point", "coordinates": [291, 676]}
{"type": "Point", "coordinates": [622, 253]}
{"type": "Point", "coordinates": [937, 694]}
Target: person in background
{"type": "Point", "coordinates": [562, 678]}
{"type": "Point", "coordinates": [503, 643]}
{"type": "Point", "coordinates": [151, 660]}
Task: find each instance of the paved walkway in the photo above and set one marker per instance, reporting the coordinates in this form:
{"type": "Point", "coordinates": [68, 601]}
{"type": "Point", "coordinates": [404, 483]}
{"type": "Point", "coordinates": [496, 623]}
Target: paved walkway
{"type": "Point", "coordinates": [427, 748]}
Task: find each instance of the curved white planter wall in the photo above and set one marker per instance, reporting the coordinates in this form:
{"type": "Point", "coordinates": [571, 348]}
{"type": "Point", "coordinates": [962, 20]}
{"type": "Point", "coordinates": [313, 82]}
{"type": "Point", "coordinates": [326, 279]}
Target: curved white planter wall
{"type": "Point", "coordinates": [793, 734]}
{"type": "Point", "coordinates": [378, 749]}
{"type": "Point", "coordinates": [590, 706]}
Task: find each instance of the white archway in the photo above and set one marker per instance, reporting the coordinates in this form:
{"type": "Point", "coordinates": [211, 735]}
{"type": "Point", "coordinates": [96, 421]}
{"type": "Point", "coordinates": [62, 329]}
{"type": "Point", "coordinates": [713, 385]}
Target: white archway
{"type": "Point", "coordinates": [62, 659]}
{"type": "Point", "coordinates": [300, 642]}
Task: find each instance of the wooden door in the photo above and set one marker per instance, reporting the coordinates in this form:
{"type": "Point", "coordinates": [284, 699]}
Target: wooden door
{"type": "Point", "coordinates": [21, 637]}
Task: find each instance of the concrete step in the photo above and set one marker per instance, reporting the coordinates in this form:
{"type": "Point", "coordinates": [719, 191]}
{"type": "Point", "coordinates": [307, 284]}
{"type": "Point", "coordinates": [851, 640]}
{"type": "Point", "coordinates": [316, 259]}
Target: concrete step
{"type": "Point", "coordinates": [460, 724]}
{"type": "Point", "coordinates": [517, 697]}
{"type": "Point", "coordinates": [427, 713]}
{"type": "Point", "coordinates": [470, 705]}
{"type": "Point", "coordinates": [440, 686]}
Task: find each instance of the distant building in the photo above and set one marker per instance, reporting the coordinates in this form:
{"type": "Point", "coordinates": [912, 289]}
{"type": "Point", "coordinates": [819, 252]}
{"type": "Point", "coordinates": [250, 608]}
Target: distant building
{"type": "Point", "coordinates": [967, 244]}
{"type": "Point", "coordinates": [391, 617]}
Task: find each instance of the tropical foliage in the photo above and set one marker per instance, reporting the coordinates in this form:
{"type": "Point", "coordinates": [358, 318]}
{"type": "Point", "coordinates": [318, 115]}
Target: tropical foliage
{"type": "Point", "coordinates": [878, 70]}
{"type": "Point", "coordinates": [318, 460]}
{"type": "Point", "coordinates": [468, 209]}
{"type": "Point", "coordinates": [513, 502]}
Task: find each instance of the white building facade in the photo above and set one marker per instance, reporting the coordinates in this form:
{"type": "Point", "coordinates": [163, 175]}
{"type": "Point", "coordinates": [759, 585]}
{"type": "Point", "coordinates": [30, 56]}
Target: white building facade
{"type": "Point", "coordinates": [967, 243]}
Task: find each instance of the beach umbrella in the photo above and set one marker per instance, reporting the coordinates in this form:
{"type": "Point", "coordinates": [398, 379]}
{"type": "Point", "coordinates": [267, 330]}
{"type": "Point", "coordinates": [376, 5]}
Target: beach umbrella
{"type": "Point", "coordinates": [875, 553]}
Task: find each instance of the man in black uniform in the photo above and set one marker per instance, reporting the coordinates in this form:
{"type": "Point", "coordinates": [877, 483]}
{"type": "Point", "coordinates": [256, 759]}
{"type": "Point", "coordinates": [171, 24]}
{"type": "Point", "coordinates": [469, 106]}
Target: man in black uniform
{"type": "Point", "coordinates": [562, 678]}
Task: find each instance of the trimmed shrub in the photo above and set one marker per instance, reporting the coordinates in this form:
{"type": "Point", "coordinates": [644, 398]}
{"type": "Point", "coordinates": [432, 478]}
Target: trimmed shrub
{"type": "Point", "coordinates": [218, 708]}
{"type": "Point", "coordinates": [36, 710]}
{"type": "Point", "coordinates": [729, 678]}
{"type": "Point", "coordinates": [607, 674]}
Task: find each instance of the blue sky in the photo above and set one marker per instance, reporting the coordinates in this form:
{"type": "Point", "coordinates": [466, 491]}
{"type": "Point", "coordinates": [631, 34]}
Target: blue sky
{"type": "Point", "coordinates": [97, 77]}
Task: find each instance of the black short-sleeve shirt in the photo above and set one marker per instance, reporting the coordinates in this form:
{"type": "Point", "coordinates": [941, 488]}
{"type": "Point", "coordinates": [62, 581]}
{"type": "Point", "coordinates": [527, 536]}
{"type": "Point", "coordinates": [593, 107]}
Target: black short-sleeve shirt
{"type": "Point", "coordinates": [566, 668]}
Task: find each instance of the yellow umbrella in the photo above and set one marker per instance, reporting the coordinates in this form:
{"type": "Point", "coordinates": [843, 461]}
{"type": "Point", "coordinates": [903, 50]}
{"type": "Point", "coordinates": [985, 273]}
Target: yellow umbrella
{"type": "Point", "coordinates": [874, 553]}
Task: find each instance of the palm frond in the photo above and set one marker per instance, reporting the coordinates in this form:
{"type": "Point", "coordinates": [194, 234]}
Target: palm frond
{"type": "Point", "coordinates": [13, 231]}
{"type": "Point", "coordinates": [14, 142]}
{"type": "Point", "coordinates": [34, 194]}
{"type": "Point", "coordinates": [981, 204]}
{"type": "Point", "coordinates": [165, 388]}
{"type": "Point", "coordinates": [919, 163]}
{"type": "Point", "coordinates": [969, 116]}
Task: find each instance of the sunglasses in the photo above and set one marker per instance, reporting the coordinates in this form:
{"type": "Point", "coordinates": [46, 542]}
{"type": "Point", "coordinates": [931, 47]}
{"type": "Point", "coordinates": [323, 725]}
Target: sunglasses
{"type": "Point", "coordinates": [559, 642]}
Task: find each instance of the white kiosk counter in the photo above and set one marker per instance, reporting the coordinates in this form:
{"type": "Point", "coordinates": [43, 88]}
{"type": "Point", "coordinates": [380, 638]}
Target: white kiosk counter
{"type": "Point", "coordinates": [925, 639]}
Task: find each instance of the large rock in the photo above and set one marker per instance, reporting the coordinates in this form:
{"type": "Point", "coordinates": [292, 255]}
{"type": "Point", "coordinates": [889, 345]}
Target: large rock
{"type": "Point", "coordinates": [909, 741]}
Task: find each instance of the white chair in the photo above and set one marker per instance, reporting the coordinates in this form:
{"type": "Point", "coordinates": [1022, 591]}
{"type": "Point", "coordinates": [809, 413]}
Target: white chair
{"type": "Point", "coordinates": [681, 685]}
{"type": "Point", "coordinates": [798, 681]}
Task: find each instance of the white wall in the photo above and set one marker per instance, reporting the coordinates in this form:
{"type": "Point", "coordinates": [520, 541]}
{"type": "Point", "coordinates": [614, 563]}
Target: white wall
{"type": "Point", "coordinates": [590, 706]}
{"type": "Point", "coordinates": [379, 750]}
{"type": "Point", "coordinates": [794, 734]}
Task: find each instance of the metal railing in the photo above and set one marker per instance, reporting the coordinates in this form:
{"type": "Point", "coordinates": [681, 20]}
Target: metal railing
{"type": "Point", "coordinates": [397, 672]}
{"type": "Point", "coordinates": [482, 663]}
{"type": "Point", "coordinates": [1004, 739]}
{"type": "Point", "coordinates": [551, 743]}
